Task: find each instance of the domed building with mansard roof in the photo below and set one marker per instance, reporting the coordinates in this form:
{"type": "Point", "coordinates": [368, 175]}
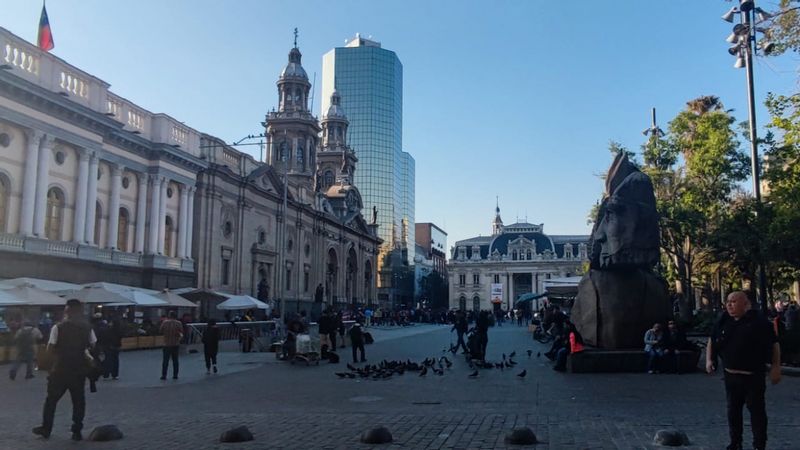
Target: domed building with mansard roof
{"type": "Point", "coordinates": [491, 272]}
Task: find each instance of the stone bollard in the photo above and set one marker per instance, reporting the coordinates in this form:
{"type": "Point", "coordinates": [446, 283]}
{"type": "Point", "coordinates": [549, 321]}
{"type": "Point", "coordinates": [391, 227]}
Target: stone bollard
{"type": "Point", "coordinates": [105, 433]}
{"type": "Point", "coordinates": [671, 438]}
{"type": "Point", "coordinates": [238, 434]}
{"type": "Point", "coordinates": [521, 436]}
{"type": "Point", "coordinates": [379, 435]}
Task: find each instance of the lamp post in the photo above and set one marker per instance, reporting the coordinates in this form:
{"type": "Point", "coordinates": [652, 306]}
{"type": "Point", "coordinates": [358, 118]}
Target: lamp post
{"type": "Point", "coordinates": [744, 47]}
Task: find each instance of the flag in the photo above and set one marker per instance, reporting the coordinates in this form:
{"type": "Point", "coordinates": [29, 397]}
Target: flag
{"type": "Point", "coordinates": [45, 36]}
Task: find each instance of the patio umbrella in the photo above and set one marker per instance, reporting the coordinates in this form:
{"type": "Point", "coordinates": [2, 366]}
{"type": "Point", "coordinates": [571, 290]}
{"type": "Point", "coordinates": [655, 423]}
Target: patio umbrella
{"type": "Point", "coordinates": [119, 287]}
{"type": "Point", "coordinates": [242, 302]}
{"type": "Point", "coordinates": [141, 299]}
{"type": "Point", "coordinates": [9, 300]}
{"type": "Point", "coordinates": [98, 294]}
{"type": "Point", "coordinates": [29, 295]}
{"type": "Point", "coordinates": [174, 299]}
{"type": "Point", "coordinates": [47, 285]}
{"type": "Point", "coordinates": [200, 294]}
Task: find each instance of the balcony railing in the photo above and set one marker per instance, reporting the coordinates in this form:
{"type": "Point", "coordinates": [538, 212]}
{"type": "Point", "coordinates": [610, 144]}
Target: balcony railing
{"type": "Point", "coordinates": [27, 61]}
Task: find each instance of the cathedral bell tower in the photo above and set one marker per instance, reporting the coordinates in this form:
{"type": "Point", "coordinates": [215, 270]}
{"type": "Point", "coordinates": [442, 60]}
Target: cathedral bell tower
{"type": "Point", "coordinates": [497, 223]}
{"type": "Point", "coordinates": [292, 131]}
{"type": "Point", "coordinates": [337, 161]}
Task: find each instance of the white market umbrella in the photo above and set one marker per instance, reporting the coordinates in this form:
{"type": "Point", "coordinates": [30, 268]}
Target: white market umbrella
{"type": "Point", "coordinates": [141, 299]}
{"type": "Point", "coordinates": [29, 295]}
{"type": "Point", "coordinates": [9, 300]}
{"type": "Point", "coordinates": [113, 287]}
{"type": "Point", "coordinates": [174, 299]}
{"type": "Point", "coordinates": [97, 294]}
{"type": "Point", "coordinates": [46, 285]}
{"type": "Point", "coordinates": [242, 302]}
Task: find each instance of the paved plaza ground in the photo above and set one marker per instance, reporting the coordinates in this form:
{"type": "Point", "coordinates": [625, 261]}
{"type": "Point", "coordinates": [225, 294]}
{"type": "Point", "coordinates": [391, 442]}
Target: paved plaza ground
{"type": "Point", "coordinates": [310, 408]}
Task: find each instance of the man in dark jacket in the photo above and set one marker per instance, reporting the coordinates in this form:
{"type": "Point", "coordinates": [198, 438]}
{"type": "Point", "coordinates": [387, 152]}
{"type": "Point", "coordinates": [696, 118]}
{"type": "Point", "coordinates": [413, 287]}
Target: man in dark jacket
{"type": "Point", "coordinates": [110, 342]}
{"type": "Point", "coordinates": [482, 329]}
{"type": "Point", "coordinates": [357, 341]}
{"type": "Point", "coordinates": [69, 340]}
{"type": "Point", "coordinates": [460, 326]}
{"type": "Point", "coordinates": [746, 342]}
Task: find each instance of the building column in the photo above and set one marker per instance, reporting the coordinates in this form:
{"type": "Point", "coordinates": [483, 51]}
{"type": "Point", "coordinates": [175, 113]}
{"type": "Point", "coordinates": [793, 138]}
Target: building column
{"type": "Point", "coordinates": [511, 288]}
{"type": "Point", "coordinates": [79, 220]}
{"type": "Point", "coordinates": [183, 217]}
{"type": "Point", "coordinates": [162, 215]}
{"type": "Point", "coordinates": [155, 197]}
{"type": "Point", "coordinates": [34, 138]}
{"type": "Point", "coordinates": [42, 181]}
{"type": "Point", "coordinates": [190, 221]}
{"type": "Point", "coordinates": [113, 208]}
{"type": "Point", "coordinates": [91, 199]}
{"type": "Point", "coordinates": [141, 213]}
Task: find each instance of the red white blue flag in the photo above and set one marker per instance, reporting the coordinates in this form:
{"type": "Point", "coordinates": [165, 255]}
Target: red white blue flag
{"type": "Point", "coordinates": [45, 35]}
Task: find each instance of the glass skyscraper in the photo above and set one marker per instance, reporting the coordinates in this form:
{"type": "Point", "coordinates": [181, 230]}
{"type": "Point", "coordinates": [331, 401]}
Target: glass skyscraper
{"type": "Point", "coordinates": [370, 81]}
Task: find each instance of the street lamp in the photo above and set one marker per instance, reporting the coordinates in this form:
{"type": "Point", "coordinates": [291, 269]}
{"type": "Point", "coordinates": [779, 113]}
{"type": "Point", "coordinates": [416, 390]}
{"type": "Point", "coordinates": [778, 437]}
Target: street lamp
{"type": "Point", "coordinates": [744, 37]}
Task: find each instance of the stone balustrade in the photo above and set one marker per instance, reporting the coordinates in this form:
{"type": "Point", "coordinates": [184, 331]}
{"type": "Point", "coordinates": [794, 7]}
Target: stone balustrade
{"type": "Point", "coordinates": [27, 61]}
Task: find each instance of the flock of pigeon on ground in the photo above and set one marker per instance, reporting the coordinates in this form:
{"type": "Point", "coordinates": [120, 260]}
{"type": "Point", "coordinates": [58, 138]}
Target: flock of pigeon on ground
{"type": "Point", "coordinates": [438, 366]}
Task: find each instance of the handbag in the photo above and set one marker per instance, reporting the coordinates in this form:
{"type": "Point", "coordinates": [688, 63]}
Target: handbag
{"type": "Point", "coordinates": [46, 358]}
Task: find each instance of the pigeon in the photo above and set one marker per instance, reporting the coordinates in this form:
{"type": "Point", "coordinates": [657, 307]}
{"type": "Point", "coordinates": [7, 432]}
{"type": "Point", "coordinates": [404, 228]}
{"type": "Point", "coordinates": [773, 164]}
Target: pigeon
{"type": "Point", "coordinates": [512, 354]}
{"type": "Point", "coordinates": [474, 374]}
{"type": "Point", "coordinates": [504, 356]}
{"type": "Point", "coordinates": [538, 354]}
{"type": "Point", "coordinates": [349, 366]}
{"type": "Point", "coordinates": [424, 371]}
{"type": "Point", "coordinates": [341, 375]}
{"type": "Point", "coordinates": [529, 353]}
{"type": "Point", "coordinates": [439, 372]}
{"type": "Point", "coordinates": [523, 373]}
{"type": "Point", "coordinates": [447, 363]}
{"type": "Point", "coordinates": [512, 362]}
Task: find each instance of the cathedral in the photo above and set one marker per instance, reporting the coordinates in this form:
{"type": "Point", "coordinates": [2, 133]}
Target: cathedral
{"type": "Point", "coordinates": [291, 227]}
{"type": "Point", "coordinates": [492, 272]}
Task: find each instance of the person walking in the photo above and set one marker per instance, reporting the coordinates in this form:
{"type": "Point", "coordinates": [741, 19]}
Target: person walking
{"type": "Point", "coordinates": [69, 341]}
{"type": "Point", "coordinates": [112, 343]}
{"type": "Point", "coordinates": [745, 341]}
{"type": "Point", "coordinates": [211, 345]}
{"type": "Point", "coordinates": [482, 328]}
{"type": "Point", "coordinates": [25, 340]}
{"type": "Point", "coordinates": [357, 341]}
{"type": "Point", "coordinates": [460, 326]}
{"type": "Point", "coordinates": [172, 330]}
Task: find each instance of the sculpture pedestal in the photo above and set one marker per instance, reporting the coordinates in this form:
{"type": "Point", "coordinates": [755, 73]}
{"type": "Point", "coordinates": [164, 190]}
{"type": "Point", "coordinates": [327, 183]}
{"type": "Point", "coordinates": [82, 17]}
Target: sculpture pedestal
{"type": "Point", "coordinates": [620, 361]}
{"type": "Point", "coordinates": [614, 308]}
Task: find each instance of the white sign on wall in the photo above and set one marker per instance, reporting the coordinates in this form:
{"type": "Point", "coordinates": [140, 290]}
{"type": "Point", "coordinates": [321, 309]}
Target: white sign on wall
{"type": "Point", "coordinates": [496, 293]}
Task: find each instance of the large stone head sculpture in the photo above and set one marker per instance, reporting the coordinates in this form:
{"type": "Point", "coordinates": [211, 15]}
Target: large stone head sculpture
{"type": "Point", "coordinates": [625, 233]}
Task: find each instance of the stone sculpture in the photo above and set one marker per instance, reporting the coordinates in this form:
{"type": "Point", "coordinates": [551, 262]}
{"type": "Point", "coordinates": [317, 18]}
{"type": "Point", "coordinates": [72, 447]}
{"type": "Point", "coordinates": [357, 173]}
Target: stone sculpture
{"type": "Point", "coordinates": [620, 297]}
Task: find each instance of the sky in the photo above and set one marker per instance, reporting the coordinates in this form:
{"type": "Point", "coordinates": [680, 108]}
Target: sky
{"type": "Point", "coordinates": [515, 100]}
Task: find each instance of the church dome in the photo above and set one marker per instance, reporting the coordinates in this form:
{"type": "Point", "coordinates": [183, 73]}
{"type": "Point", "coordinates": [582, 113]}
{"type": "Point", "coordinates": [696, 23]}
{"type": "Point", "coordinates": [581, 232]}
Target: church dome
{"type": "Point", "coordinates": [335, 111]}
{"type": "Point", "coordinates": [294, 68]}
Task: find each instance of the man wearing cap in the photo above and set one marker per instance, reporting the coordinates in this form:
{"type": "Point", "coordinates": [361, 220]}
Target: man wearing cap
{"type": "Point", "coordinates": [746, 342]}
{"type": "Point", "coordinates": [69, 341]}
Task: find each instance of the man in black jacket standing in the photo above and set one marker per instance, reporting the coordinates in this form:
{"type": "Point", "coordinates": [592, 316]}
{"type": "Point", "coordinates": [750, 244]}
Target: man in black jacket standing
{"type": "Point", "coordinates": [746, 342]}
{"type": "Point", "coordinates": [69, 340]}
{"type": "Point", "coordinates": [460, 326]}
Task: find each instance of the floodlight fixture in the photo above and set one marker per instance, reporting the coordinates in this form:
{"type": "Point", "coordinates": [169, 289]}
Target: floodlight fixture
{"type": "Point", "coordinates": [762, 15]}
{"type": "Point", "coordinates": [734, 50]}
{"type": "Point", "coordinates": [728, 16]}
{"type": "Point", "coordinates": [732, 39]}
{"type": "Point", "coordinates": [747, 5]}
{"type": "Point", "coordinates": [739, 63]}
{"type": "Point", "coordinates": [767, 47]}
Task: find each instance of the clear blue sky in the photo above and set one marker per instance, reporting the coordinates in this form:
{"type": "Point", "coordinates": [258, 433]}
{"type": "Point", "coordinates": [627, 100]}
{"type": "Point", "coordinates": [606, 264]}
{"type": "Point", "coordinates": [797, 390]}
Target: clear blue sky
{"type": "Point", "coordinates": [516, 99]}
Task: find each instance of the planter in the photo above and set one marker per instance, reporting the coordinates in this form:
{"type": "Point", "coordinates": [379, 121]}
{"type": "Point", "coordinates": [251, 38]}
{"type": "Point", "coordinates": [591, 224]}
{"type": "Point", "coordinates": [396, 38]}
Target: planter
{"type": "Point", "coordinates": [130, 343]}
{"type": "Point", "coordinates": [158, 341]}
{"type": "Point", "coordinates": [147, 341]}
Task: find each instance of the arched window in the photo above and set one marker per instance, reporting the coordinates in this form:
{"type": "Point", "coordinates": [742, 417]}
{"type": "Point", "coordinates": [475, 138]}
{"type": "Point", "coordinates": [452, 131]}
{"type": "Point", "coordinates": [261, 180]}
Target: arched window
{"type": "Point", "coordinates": [55, 214]}
{"type": "Point", "coordinates": [5, 190]}
{"type": "Point", "coordinates": [514, 255]}
{"type": "Point", "coordinates": [122, 231]}
{"type": "Point", "coordinates": [168, 237]}
{"type": "Point", "coordinates": [476, 303]}
{"type": "Point", "coordinates": [530, 255]}
{"type": "Point", "coordinates": [328, 179]}
{"type": "Point", "coordinates": [284, 151]}
{"type": "Point", "coordinates": [299, 157]}
{"type": "Point", "coordinates": [98, 214]}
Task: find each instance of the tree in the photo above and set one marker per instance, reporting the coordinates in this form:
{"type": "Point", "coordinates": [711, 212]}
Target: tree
{"type": "Point", "coordinates": [694, 169]}
{"type": "Point", "coordinates": [783, 29]}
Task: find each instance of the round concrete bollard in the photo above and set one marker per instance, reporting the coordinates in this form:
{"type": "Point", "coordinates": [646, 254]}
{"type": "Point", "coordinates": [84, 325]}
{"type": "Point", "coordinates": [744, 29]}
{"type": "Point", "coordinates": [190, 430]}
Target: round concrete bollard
{"type": "Point", "coordinates": [238, 434]}
{"type": "Point", "coordinates": [379, 435]}
{"type": "Point", "coordinates": [671, 438]}
{"type": "Point", "coordinates": [105, 433]}
{"type": "Point", "coordinates": [521, 436]}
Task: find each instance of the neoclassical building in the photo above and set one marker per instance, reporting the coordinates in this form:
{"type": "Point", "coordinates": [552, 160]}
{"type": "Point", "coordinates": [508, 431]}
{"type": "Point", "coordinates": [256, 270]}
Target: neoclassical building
{"type": "Point", "coordinates": [96, 188]}
{"type": "Point", "coordinates": [515, 259]}
{"type": "Point", "coordinates": [92, 186]}
{"type": "Point", "coordinates": [292, 224]}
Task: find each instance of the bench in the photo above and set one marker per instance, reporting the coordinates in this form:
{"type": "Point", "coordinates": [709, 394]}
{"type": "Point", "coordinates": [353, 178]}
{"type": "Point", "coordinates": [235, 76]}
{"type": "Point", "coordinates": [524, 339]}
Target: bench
{"type": "Point", "coordinates": [631, 361]}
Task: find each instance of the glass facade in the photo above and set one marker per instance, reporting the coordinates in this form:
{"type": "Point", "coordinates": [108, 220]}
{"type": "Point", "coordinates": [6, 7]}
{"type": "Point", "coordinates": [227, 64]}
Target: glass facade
{"type": "Point", "coordinates": [370, 82]}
